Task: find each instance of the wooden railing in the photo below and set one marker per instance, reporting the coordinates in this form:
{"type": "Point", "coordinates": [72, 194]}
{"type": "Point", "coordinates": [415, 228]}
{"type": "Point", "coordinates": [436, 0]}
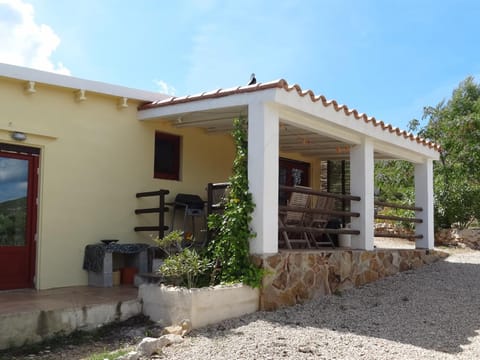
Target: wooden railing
{"type": "Point", "coordinates": [398, 219]}
{"type": "Point", "coordinates": [330, 213]}
{"type": "Point", "coordinates": [161, 210]}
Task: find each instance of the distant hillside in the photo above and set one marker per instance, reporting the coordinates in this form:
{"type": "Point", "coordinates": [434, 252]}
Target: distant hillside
{"type": "Point", "coordinates": [14, 204]}
{"type": "Point", "coordinates": [13, 215]}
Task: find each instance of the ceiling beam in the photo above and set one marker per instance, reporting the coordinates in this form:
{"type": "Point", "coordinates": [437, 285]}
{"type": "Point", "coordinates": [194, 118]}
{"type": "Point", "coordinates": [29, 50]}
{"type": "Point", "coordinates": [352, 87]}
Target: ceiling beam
{"type": "Point", "coordinates": [310, 145]}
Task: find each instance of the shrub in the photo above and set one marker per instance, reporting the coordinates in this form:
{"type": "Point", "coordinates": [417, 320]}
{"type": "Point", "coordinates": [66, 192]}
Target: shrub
{"type": "Point", "coordinates": [184, 268]}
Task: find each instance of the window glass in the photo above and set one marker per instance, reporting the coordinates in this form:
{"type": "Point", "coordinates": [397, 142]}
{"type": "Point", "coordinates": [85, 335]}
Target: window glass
{"type": "Point", "coordinates": [167, 156]}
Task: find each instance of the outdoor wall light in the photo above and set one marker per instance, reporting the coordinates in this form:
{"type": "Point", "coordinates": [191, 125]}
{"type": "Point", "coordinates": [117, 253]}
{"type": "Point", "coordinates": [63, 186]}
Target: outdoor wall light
{"type": "Point", "coordinates": [123, 103]}
{"type": "Point", "coordinates": [18, 136]}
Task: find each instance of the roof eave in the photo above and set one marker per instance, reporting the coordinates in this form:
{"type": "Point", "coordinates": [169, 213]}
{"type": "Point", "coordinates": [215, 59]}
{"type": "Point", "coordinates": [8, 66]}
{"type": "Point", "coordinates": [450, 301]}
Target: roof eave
{"type": "Point", "coordinates": [65, 81]}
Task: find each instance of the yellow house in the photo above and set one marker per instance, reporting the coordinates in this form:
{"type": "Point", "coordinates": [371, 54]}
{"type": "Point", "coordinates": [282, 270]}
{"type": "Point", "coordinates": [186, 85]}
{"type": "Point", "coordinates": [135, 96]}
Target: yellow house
{"type": "Point", "coordinates": [73, 154]}
{"type": "Point", "coordinates": [88, 155]}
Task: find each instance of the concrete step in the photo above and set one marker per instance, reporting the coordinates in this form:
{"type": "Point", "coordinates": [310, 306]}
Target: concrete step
{"type": "Point", "coordinates": [30, 316]}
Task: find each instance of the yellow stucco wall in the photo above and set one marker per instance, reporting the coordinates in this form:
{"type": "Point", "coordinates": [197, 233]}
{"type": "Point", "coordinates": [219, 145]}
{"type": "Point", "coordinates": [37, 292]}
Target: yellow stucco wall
{"type": "Point", "coordinates": [94, 158]}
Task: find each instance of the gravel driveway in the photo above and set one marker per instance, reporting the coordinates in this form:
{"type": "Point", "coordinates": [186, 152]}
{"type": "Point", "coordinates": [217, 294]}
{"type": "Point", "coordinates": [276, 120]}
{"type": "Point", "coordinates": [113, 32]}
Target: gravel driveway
{"type": "Point", "coordinates": [430, 313]}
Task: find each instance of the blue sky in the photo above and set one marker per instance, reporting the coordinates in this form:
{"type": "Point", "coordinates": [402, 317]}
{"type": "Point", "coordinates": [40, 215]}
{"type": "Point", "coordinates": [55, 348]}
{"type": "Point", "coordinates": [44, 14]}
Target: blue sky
{"type": "Point", "coordinates": [386, 58]}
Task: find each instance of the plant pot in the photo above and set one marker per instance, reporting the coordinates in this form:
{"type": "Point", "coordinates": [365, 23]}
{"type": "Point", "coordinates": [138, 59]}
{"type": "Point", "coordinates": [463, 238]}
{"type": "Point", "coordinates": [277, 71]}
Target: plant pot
{"type": "Point", "coordinates": [169, 305]}
{"type": "Point", "coordinates": [116, 278]}
{"type": "Point", "coordinates": [345, 240]}
{"type": "Point", "coordinates": [128, 275]}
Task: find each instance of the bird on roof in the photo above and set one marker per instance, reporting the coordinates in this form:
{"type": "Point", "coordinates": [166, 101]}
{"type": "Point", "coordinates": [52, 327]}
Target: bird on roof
{"type": "Point", "coordinates": [253, 80]}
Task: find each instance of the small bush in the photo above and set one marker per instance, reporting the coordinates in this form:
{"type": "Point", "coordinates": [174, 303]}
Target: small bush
{"type": "Point", "coordinates": [185, 268]}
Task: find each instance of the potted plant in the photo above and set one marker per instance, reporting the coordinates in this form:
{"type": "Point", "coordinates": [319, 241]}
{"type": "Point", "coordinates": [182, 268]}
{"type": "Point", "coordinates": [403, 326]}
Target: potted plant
{"type": "Point", "coordinates": [220, 282]}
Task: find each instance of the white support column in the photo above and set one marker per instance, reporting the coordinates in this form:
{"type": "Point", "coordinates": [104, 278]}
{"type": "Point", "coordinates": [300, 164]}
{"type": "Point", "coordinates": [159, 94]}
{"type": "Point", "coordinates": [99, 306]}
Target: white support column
{"type": "Point", "coordinates": [263, 147]}
{"type": "Point", "coordinates": [362, 184]}
{"type": "Point", "coordinates": [424, 199]}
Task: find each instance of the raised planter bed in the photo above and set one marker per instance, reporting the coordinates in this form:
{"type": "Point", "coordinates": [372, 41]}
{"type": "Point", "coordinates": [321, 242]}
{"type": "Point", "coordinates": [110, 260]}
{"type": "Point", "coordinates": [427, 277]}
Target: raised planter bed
{"type": "Point", "coordinates": [170, 305]}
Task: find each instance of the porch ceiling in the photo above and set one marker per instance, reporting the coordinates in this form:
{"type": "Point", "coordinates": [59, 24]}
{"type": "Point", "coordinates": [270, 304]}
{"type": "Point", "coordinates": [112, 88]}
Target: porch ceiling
{"type": "Point", "coordinates": [292, 139]}
{"type": "Point", "coordinates": [322, 128]}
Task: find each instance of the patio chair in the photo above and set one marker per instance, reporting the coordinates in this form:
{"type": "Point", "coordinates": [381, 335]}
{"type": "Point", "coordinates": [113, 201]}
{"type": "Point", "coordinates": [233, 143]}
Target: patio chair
{"type": "Point", "coordinates": [321, 221]}
{"type": "Point", "coordinates": [217, 194]}
{"type": "Point", "coordinates": [293, 219]}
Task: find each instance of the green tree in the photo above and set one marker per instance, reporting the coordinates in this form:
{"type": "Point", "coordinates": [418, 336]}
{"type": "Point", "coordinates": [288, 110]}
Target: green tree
{"type": "Point", "coordinates": [394, 180]}
{"type": "Point", "coordinates": [394, 183]}
{"type": "Point", "coordinates": [455, 125]}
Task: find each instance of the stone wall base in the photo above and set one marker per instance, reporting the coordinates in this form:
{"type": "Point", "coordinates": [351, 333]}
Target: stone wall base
{"type": "Point", "coordinates": [296, 276]}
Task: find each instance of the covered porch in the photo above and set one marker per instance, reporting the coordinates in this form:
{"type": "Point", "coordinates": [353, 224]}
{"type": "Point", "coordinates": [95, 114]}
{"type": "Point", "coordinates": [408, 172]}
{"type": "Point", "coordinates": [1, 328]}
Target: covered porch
{"type": "Point", "coordinates": [285, 120]}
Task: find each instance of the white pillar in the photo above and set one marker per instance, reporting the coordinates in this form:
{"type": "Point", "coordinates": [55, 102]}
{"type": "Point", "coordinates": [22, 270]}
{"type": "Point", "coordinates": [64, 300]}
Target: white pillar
{"type": "Point", "coordinates": [362, 184]}
{"type": "Point", "coordinates": [424, 199]}
{"type": "Point", "coordinates": [263, 144]}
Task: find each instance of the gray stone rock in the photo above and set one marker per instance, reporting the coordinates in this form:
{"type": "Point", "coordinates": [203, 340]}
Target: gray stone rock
{"type": "Point", "coordinates": [149, 346]}
{"type": "Point", "coordinates": [132, 355]}
{"type": "Point", "coordinates": [173, 339]}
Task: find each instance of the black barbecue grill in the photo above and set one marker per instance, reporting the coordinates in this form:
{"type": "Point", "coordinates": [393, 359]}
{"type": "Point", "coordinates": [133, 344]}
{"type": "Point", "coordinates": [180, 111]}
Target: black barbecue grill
{"type": "Point", "coordinates": [193, 206]}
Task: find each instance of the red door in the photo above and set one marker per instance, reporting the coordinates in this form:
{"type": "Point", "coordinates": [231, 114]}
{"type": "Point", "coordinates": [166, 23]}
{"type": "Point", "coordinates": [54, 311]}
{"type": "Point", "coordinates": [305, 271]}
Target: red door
{"type": "Point", "coordinates": [18, 216]}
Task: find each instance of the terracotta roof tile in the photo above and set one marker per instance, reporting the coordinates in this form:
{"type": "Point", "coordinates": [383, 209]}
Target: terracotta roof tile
{"type": "Point", "coordinates": [283, 84]}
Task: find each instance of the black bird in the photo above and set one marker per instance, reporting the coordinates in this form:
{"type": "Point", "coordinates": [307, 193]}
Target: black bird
{"type": "Point", "coordinates": [253, 80]}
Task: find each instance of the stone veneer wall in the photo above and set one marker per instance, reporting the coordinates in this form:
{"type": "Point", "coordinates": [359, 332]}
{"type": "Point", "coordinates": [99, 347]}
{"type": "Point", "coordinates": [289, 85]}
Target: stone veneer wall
{"type": "Point", "coordinates": [295, 276]}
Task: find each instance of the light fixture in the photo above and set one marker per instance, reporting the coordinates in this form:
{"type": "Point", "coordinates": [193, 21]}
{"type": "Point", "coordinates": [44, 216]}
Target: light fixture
{"type": "Point", "coordinates": [29, 87]}
{"type": "Point", "coordinates": [80, 95]}
{"type": "Point", "coordinates": [18, 136]}
{"type": "Point", "coordinates": [122, 103]}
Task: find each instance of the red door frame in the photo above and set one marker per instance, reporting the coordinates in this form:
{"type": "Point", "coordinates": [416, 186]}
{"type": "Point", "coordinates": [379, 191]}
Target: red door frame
{"type": "Point", "coordinates": [31, 155]}
{"type": "Point", "coordinates": [32, 215]}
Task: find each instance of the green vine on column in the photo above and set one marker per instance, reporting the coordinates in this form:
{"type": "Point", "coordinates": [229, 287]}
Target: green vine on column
{"type": "Point", "coordinates": [230, 247]}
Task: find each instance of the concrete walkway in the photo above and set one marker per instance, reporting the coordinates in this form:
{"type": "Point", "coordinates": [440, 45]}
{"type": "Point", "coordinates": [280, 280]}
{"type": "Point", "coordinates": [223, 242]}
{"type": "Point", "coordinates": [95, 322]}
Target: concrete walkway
{"type": "Point", "coordinates": [28, 316]}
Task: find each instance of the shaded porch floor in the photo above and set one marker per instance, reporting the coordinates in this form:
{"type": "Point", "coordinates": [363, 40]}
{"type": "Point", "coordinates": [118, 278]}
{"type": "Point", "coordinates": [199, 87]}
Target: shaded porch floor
{"type": "Point", "coordinates": [380, 243]}
{"type": "Point", "coordinates": [393, 243]}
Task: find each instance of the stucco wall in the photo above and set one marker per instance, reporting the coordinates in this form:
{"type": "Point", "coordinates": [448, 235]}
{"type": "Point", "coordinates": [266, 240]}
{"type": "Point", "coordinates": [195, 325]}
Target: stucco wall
{"type": "Point", "coordinates": [94, 158]}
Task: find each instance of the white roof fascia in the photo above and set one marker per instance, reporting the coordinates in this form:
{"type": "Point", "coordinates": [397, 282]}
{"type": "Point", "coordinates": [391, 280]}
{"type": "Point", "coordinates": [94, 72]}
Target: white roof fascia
{"type": "Point", "coordinates": [44, 77]}
{"type": "Point", "coordinates": [304, 113]}
{"type": "Point", "coordinates": [206, 104]}
{"type": "Point", "coordinates": [333, 121]}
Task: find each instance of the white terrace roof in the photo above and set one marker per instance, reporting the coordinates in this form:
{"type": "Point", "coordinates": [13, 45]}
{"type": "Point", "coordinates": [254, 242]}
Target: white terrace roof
{"type": "Point", "coordinates": [309, 124]}
{"type": "Point", "coordinates": [65, 81]}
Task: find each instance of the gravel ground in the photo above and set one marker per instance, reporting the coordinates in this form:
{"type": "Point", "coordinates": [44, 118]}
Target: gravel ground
{"type": "Point", "coordinates": [430, 313]}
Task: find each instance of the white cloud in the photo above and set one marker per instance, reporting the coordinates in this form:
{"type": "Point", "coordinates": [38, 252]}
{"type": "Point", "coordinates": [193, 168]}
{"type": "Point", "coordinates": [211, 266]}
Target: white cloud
{"type": "Point", "coordinates": [24, 42]}
{"type": "Point", "coordinates": [165, 88]}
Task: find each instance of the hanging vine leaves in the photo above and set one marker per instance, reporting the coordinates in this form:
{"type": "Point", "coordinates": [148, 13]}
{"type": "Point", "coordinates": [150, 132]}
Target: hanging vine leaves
{"type": "Point", "coordinates": [230, 246]}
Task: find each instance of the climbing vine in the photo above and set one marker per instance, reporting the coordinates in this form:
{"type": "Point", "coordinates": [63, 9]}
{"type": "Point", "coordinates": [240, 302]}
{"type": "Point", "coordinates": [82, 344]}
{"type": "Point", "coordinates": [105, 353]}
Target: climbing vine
{"type": "Point", "coordinates": [230, 245]}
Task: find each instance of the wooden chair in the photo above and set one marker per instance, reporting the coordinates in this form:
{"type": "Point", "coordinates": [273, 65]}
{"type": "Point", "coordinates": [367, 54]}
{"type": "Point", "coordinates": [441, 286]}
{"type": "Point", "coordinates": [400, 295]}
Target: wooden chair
{"type": "Point", "coordinates": [320, 221]}
{"type": "Point", "coordinates": [217, 194]}
{"type": "Point", "coordinates": [292, 219]}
